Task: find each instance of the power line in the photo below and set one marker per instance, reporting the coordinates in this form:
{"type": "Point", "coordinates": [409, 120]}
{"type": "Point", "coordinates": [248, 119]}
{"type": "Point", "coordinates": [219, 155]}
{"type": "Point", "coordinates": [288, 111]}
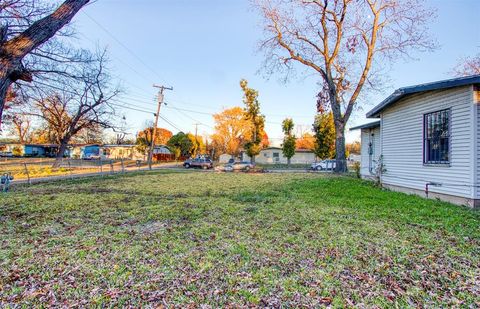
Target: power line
{"type": "Point", "coordinates": [191, 118]}
{"type": "Point", "coordinates": [170, 123]}
{"type": "Point", "coordinates": [131, 106]}
{"type": "Point", "coordinates": [123, 45]}
{"type": "Point", "coordinates": [123, 62]}
{"type": "Point", "coordinates": [190, 110]}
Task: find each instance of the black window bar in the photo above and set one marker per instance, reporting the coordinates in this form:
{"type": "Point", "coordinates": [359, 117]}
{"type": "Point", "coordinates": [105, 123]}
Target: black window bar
{"type": "Point", "coordinates": [437, 137]}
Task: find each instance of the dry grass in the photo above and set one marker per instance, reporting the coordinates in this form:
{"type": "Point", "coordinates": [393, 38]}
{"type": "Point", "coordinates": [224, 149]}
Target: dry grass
{"type": "Point", "coordinates": [233, 239]}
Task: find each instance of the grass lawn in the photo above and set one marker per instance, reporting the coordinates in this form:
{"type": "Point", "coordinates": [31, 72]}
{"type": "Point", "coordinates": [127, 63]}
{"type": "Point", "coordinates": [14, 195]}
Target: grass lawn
{"type": "Point", "coordinates": [166, 238]}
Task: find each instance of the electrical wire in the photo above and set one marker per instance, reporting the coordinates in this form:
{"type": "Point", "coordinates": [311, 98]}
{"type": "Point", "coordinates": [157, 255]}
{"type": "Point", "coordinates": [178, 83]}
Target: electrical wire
{"type": "Point", "coordinates": [170, 123]}
{"type": "Point", "coordinates": [123, 45]}
{"type": "Point", "coordinates": [114, 101]}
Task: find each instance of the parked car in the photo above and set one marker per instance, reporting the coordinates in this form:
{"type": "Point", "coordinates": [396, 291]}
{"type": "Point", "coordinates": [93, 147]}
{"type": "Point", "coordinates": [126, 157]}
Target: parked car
{"type": "Point", "coordinates": [6, 154]}
{"type": "Point", "coordinates": [92, 156]}
{"type": "Point", "coordinates": [239, 166]}
{"type": "Point", "coordinates": [324, 165]}
{"type": "Point", "coordinates": [204, 163]}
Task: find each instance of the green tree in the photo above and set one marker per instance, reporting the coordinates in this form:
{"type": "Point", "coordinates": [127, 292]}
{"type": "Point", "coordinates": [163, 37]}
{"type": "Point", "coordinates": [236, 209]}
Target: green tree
{"type": "Point", "coordinates": [257, 120]}
{"type": "Point", "coordinates": [324, 129]}
{"type": "Point", "coordinates": [289, 140]}
{"type": "Point", "coordinates": [198, 146]}
{"type": "Point", "coordinates": [180, 144]}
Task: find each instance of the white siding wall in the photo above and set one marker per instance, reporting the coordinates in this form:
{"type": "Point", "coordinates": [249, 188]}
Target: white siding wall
{"type": "Point", "coordinates": [266, 157]}
{"type": "Point", "coordinates": [366, 161]}
{"type": "Point", "coordinates": [402, 137]}
{"type": "Point", "coordinates": [477, 107]}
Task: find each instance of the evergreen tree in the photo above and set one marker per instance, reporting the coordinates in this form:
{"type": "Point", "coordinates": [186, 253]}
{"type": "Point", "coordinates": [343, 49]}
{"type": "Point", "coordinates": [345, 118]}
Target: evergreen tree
{"type": "Point", "coordinates": [257, 120]}
{"type": "Point", "coordinates": [289, 140]}
{"type": "Point", "coordinates": [181, 145]}
{"type": "Point", "coordinates": [324, 129]}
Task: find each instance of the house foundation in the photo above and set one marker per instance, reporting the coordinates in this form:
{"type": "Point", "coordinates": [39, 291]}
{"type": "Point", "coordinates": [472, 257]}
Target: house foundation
{"type": "Point", "coordinates": [457, 200]}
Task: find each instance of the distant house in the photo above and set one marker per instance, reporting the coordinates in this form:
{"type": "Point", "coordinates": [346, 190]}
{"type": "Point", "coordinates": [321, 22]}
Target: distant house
{"type": "Point", "coordinates": [224, 158]}
{"type": "Point", "coordinates": [428, 140]}
{"type": "Point", "coordinates": [31, 150]}
{"type": "Point", "coordinates": [116, 152]}
{"type": "Point", "coordinates": [274, 155]}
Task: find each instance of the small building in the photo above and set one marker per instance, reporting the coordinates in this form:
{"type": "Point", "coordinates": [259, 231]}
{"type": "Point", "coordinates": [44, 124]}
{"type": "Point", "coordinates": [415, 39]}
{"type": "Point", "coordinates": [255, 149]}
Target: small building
{"type": "Point", "coordinates": [274, 155]}
{"type": "Point", "coordinates": [224, 158]}
{"type": "Point", "coordinates": [90, 151]}
{"type": "Point", "coordinates": [117, 152]}
{"type": "Point", "coordinates": [427, 140]}
{"type": "Point", "coordinates": [162, 153]}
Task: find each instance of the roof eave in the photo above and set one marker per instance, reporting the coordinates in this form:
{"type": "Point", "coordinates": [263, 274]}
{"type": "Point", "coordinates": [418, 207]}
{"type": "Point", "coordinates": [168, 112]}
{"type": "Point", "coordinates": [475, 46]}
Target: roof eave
{"type": "Point", "coordinates": [440, 85]}
{"type": "Point", "coordinates": [373, 124]}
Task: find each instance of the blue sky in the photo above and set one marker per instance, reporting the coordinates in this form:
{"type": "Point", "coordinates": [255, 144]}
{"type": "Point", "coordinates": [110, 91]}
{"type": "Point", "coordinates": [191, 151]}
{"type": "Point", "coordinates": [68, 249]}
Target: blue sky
{"type": "Point", "coordinates": [204, 47]}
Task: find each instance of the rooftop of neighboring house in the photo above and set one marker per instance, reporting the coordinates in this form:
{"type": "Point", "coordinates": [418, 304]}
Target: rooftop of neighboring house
{"type": "Point", "coordinates": [31, 144]}
{"type": "Point", "coordinates": [369, 125]}
{"type": "Point", "coordinates": [296, 150]}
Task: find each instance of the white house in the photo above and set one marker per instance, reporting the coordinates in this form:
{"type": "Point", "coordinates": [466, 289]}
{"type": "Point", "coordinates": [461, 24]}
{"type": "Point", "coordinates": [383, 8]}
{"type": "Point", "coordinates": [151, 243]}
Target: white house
{"type": "Point", "coordinates": [274, 155]}
{"type": "Point", "coordinates": [428, 139]}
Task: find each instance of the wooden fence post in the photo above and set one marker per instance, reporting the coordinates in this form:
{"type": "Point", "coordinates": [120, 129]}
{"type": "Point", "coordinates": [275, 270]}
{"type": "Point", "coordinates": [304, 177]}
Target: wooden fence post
{"type": "Point", "coordinates": [26, 172]}
{"type": "Point", "coordinates": [123, 166]}
{"type": "Point", "coordinates": [70, 169]}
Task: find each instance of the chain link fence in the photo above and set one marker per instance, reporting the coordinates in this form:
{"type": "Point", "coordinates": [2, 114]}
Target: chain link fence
{"type": "Point", "coordinates": [32, 170]}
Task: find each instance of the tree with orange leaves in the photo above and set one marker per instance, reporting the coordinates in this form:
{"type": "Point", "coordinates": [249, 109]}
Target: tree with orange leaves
{"type": "Point", "coordinates": [144, 137]}
{"type": "Point", "coordinates": [231, 130]}
{"type": "Point", "coordinates": [306, 141]}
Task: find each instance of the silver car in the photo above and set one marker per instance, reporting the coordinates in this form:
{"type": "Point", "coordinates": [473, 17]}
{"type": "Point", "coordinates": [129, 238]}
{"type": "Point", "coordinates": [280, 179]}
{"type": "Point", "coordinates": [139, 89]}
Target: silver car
{"type": "Point", "coordinates": [239, 166]}
{"type": "Point", "coordinates": [324, 165]}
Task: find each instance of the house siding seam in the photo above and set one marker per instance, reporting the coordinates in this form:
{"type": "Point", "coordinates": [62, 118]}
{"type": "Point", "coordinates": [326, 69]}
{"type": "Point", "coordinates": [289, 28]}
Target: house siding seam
{"type": "Point", "coordinates": [402, 142]}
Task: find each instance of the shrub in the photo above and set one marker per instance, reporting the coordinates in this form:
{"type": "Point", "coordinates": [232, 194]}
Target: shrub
{"type": "Point", "coordinates": [356, 168]}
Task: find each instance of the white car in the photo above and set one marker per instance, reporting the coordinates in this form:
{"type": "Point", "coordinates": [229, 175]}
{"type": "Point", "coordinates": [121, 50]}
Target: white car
{"type": "Point", "coordinates": [6, 154]}
{"type": "Point", "coordinates": [324, 165]}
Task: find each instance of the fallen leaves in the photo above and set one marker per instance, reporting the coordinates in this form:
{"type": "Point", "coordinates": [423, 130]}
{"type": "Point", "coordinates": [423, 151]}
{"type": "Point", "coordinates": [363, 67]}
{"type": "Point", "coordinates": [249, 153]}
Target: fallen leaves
{"type": "Point", "coordinates": [265, 241]}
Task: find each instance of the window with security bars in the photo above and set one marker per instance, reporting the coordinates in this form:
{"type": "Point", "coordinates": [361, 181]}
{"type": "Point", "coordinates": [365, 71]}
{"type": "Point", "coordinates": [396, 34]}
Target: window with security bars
{"type": "Point", "coordinates": [437, 137]}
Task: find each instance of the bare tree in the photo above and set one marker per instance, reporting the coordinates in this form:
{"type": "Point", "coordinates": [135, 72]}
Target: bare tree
{"type": "Point", "coordinates": [345, 42]}
{"type": "Point", "coordinates": [467, 66]}
{"type": "Point", "coordinates": [21, 127]}
{"type": "Point", "coordinates": [26, 26]}
{"type": "Point", "coordinates": [73, 108]}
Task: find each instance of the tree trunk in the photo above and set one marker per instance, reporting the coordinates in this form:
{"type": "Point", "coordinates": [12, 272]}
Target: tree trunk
{"type": "Point", "coordinates": [14, 50]}
{"type": "Point", "coordinates": [288, 161]}
{"type": "Point", "coordinates": [5, 83]}
{"type": "Point", "coordinates": [3, 93]}
{"type": "Point", "coordinates": [340, 150]}
{"type": "Point", "coordinates": [252, 159]}
{"type": "Point", "coordinates": [61, 151]}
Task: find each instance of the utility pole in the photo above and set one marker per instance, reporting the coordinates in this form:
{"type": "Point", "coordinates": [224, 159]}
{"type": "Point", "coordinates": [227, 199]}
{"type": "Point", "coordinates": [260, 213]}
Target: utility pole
{"type": "Point", "coordinates": [154, 133]}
